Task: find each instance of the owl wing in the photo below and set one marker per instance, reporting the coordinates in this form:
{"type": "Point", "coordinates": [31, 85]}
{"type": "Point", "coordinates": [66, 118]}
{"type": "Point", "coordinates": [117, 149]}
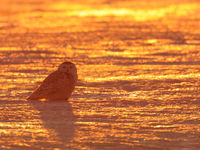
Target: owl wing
{"type": "Point", "coordinates": [49, 86]}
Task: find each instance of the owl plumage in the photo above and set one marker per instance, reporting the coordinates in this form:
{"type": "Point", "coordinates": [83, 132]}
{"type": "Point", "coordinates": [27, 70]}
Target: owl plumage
{"type": "Point", "coordinates": [59, 85]}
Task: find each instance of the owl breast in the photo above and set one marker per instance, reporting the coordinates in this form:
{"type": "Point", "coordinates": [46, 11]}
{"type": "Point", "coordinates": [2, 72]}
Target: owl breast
{"type": "Point", "coordinates": [66, 85]}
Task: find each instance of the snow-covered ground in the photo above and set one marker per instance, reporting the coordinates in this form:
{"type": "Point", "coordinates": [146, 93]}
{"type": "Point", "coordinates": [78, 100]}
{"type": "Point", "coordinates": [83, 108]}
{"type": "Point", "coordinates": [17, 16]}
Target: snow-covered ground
{"type": "Point", "coordinates": [138, 65]}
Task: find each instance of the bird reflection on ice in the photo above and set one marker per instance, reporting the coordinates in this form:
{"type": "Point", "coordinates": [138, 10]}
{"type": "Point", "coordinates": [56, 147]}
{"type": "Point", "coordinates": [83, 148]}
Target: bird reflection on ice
{"type": "Point", "coordinates": [57, 118]}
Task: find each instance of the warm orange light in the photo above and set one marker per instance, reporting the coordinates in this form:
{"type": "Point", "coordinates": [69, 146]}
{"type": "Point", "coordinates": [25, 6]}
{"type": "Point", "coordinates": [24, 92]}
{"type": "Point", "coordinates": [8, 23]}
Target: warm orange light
{"type": "Point", "coordinates": [138, 70]}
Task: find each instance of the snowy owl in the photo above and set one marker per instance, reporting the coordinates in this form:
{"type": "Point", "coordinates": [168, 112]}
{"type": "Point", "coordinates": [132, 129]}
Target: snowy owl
{"type": "Point", "coordinates": [59, 85]}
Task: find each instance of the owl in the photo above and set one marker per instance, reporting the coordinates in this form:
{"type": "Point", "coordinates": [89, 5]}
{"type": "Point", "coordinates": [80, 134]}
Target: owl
{"type": "Point", "coordinates": [59, 85]}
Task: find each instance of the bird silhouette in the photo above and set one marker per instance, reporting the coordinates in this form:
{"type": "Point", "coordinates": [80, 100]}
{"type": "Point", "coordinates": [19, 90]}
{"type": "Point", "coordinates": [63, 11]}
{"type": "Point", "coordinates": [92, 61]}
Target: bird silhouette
{"type": "Point", "coordinates": [59, 85]}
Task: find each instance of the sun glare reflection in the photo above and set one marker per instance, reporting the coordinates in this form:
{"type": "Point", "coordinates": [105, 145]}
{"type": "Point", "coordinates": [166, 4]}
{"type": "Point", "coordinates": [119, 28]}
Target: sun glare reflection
{"type": "Point", "coordinates": [138, 74]}
{"type": "Point", "coordinates": [139, 14]}
{"type": "Point", "coordinates": [186, 76]}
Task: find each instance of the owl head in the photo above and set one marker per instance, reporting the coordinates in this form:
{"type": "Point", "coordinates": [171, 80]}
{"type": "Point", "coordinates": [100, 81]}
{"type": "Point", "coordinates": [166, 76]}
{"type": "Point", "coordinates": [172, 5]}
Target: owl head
{"type": "Point", "coordinates": [68, 67]}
